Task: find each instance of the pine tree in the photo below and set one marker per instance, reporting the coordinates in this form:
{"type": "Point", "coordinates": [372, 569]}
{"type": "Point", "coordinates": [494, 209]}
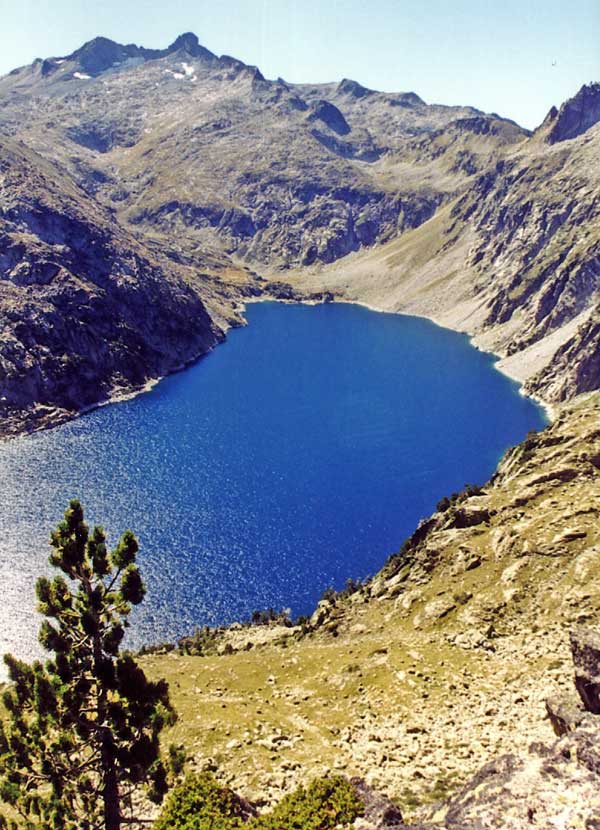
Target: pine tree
{"type": "Point", "coordinates": [82, 730]}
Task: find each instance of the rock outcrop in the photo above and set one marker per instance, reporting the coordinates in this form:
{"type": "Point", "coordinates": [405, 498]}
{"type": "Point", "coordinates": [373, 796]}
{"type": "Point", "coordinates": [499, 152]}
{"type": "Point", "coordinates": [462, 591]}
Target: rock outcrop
{"type": "Point", "coordinates": [550, 786]}
{"type": "Point", "coordinates": [379, 811]}
{"type": "Point", "coordinates": [565, 714]}
{"type": "Point", "coordinates": [585, 647]}
{"type": "Point", "coordinates": [575, 116]}
{"type": "Point", "coordinates": [86, 310]}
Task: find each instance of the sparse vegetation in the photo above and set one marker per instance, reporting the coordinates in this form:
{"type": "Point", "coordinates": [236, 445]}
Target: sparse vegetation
{"type": "Point", "coordinates": [351, 587]}
{"type": "Point", "coordinates": [456, 498]}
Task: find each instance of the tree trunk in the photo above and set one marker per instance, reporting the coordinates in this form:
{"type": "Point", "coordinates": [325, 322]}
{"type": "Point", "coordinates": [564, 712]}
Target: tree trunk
{"type": "Point", "coordinates": [110, 791]}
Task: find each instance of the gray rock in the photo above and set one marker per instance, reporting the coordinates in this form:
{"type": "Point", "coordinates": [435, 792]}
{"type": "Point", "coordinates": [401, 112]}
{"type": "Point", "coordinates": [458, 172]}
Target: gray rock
{"type": "Point", "coordinates": [554, 783]}
{"type": "Point", "coordinates": [565, 714]}
{"type": "Point", "coordinates": [585, 648]}
{"type": "Point", "coordinates": [575, 116]}
{"type": "Point", "coordinates": [380, 811]}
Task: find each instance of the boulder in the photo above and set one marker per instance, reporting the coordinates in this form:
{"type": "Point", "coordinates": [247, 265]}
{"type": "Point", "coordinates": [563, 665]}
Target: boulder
{"type": "Point", "coordinates": [380, 811]}
{"type": "Point", "coordinates": [565, 714]}
{"type": "Point", "coordinates": [585, 648]}
{"type": "Point", "coordinates": [320, 614]}
{"type": "Point", "coordinates": [553, 786]}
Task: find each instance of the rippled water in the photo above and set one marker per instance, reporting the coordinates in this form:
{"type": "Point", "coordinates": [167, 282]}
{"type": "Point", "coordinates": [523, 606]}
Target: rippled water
{"type": "Point", "coordinates": [299, 453]}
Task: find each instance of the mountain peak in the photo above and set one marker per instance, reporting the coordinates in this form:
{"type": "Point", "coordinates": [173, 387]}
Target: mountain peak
{"type": "Point", "coordinates": [349, 87]}
{"type": "Point", "coordinates": [188, 42]}
{"type": "Point", "coordinates": [576, 115]}
{"type": "Point", "coordinates": [99, 54]}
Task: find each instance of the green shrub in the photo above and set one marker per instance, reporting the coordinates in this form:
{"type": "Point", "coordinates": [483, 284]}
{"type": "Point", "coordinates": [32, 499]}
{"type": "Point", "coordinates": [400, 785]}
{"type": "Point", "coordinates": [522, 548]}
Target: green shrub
{"type": "Point", "coordinates": [327, 803]}
{"type": "Point", "coordinates": [201, 803]}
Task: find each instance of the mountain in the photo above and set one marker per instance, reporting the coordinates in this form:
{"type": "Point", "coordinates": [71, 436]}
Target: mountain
{"type": "Point", "coordinates": [279, 174]}
{"type": "Point", "coordinates": [513, 260]}
{"type": "Point", "coordinates": [239, 185]}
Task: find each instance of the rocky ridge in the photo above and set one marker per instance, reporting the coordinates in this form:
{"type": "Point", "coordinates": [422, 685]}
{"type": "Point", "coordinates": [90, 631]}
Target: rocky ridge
{"type": "Point", "coordinates": [574, 117]}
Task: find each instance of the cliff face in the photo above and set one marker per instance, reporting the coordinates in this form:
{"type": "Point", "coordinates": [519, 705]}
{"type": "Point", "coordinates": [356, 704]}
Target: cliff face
{"type": "Point", "coordinates": [575, 367]}
{"type": "Point", "coordinates": [535, 256]}
{"type": "Point", "coordinates": [87, 311]}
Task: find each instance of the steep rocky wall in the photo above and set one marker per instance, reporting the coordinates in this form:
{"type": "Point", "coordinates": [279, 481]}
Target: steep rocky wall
{"type": "Point", "coordinates": [85, 310]}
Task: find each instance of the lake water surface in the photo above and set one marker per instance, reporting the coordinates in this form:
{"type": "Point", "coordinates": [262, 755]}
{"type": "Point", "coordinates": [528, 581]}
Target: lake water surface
{"type": "Point", "coordinates": [299, 453]}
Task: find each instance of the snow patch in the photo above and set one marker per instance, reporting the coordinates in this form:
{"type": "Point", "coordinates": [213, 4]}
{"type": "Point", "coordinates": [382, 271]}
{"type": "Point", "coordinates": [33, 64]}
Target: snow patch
{"type": "Point", "coordinates": [188, 72]}
{"type": "Point", "coordinates": [80, 76]}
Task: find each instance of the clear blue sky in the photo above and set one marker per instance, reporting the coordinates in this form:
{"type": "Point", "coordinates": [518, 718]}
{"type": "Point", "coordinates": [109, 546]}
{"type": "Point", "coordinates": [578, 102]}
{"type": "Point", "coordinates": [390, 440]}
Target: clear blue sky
{"type": "Point", "coordinates": [493, 54]}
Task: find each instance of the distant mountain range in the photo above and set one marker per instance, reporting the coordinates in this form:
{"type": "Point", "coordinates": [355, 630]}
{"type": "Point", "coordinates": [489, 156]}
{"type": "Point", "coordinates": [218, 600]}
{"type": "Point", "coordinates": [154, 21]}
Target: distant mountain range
{"type": "Point", "coordinates": [144, 194]}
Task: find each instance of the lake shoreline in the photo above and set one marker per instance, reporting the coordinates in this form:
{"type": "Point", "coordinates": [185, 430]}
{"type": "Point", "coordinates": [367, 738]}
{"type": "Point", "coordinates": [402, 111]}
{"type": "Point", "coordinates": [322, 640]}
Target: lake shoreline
{"type": "Point", "coordinates": [57, 417]}
{"type": "Point", "coordinates": [359, 420]}
{"type": "Point", "coordinates": [549, 408]}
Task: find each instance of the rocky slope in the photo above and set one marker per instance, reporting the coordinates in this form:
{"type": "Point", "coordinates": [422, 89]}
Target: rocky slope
{"type": "Point", "coordinates": [439, 665]}
{"type": "Point", "coordinates": [514, 260]}
{"type": "Point", "coordinates": [87, 311]}
{"type": "Point", "coordinates": [550, 785]}
{"type": "Point", "coordinates": [554, 784]}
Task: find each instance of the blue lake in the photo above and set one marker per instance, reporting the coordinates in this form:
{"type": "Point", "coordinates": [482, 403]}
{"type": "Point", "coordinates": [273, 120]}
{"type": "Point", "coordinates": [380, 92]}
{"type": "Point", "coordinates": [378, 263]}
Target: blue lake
{"type": "Point", "coordinates": [299, 453]}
